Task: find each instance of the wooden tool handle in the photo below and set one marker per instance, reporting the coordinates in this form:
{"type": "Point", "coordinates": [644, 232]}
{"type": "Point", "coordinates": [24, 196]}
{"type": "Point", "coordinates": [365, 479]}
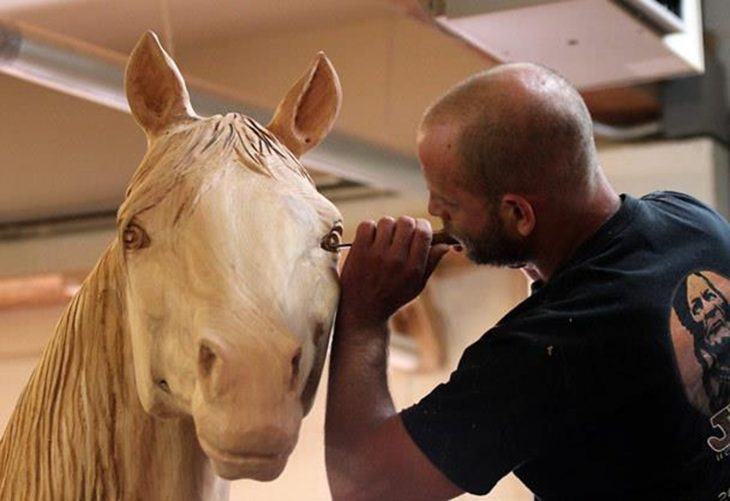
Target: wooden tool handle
{"type": "Point", "coordinates": [441, 237]}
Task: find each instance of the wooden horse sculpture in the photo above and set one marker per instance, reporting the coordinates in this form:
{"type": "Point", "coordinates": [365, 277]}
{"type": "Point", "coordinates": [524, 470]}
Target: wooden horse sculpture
{"type": "Point", "coordinates": [195, 346]}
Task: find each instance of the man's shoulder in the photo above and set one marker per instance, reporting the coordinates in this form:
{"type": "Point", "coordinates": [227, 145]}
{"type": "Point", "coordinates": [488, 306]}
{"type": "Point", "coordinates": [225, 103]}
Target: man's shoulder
{"type": "Point", "coordinates": [682, 218]}
{"type": "Point", "coordinates": [678, 202]}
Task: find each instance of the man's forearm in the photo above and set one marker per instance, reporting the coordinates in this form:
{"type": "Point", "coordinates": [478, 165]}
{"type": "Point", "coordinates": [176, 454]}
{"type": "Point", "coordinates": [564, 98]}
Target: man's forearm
{"type": "Point", "coordinates": [358, 395]}
{"type": "Point", "coordinates": [358, 401]}
{"type": "Point", "coordinates": [367, 449]}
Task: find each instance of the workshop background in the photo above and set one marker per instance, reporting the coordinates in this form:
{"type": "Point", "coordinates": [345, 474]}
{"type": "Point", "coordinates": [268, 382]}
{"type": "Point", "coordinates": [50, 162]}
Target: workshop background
{"type": "Point", "coordinates": [651, 71]}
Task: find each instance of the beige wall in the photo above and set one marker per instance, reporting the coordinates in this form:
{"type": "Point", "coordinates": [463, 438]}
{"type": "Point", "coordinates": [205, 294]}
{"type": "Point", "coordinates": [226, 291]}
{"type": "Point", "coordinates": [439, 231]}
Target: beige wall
{"type": "Point", "coordinates": [696, 166]}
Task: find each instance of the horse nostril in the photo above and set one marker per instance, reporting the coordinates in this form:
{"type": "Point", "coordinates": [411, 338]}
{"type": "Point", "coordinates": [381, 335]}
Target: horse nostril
{"type": "Point", "coordinates": [206, 360]}
{"type": "Point", "coordinates": [163, 385]}
{"type": "Point", "coordinates": [295, 361]}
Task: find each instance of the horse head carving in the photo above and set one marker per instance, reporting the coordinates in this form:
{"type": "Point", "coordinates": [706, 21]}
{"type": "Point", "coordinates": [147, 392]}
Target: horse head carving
{"type": "Point", "coordinates": [230, 298]}
{"type": "Point", "coordinates": [211, 311]}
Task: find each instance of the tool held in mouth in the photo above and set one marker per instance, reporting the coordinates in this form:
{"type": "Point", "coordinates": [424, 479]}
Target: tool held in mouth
{"type": "Point", "coordinates": [329, 243]}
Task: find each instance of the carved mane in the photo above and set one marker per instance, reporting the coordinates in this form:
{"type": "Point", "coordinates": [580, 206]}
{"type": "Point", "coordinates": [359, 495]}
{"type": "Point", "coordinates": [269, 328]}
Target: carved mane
{"type": "Point", "coordinates": [223, 136]}
{"type": "Point", "coordinates": [73, 400]}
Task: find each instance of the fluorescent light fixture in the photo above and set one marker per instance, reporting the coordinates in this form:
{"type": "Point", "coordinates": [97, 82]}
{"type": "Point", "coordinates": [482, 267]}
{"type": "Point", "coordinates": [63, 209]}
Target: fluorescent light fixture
{"type": "Point", "coordinates": [15, 5]}
{"type": "Point", "coordinates": [62, 64]}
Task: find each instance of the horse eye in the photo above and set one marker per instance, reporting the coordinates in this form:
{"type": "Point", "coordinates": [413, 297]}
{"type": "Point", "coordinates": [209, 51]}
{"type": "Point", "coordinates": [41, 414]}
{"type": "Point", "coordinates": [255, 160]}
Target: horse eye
{"type": "Point", "coordinates": [332, 239]}
{"type": "Point", "coordinates": [134, 237]}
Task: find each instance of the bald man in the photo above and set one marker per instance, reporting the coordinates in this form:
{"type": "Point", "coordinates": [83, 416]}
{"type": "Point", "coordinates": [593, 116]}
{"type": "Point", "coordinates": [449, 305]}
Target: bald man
{"type": "Point", "coordinates": [576, 389]}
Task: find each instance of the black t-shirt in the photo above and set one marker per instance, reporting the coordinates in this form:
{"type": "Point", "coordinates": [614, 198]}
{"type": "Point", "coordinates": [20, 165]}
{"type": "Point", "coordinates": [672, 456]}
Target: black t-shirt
{"type": "Point", "coordinates": [611, 381]}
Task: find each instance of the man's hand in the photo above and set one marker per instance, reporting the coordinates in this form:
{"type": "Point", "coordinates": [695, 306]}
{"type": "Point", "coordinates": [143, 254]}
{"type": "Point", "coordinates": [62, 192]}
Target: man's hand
{"type": "Point", "coordinates": [368, 452]}
{"type": "Point", "coordinates": [387, 266]}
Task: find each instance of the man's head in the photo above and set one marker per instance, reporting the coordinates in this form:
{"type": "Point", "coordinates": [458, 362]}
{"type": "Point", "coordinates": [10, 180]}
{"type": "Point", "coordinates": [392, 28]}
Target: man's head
{"type": "Point", "coordinates": [499, 145]}
{"type": "Point", "coordinates": [709, 308]}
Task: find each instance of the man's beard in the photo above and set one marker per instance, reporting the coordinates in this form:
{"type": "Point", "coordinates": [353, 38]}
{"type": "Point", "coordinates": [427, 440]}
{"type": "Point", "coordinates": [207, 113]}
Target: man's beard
{"type": "Point", "coordinates": [717, 338]}
{"type": "Point", "coordinates": [494, 247]}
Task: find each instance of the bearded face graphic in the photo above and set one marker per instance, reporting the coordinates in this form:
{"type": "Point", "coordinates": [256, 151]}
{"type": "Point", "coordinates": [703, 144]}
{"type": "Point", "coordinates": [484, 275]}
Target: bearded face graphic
{"type": "Point", "coordinates": [703, 311]}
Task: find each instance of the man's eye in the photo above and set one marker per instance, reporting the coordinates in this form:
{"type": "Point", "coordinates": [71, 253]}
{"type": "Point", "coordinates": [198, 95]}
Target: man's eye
{"type": "Point", "coordinates": [696, 306]}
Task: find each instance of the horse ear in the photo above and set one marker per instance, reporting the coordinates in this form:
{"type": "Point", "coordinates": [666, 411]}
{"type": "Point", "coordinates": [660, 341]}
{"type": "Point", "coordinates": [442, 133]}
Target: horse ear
{"type": "Point", "coordinates": [155, 88]}
{"type": "Point", "coordinates": [306, 114]}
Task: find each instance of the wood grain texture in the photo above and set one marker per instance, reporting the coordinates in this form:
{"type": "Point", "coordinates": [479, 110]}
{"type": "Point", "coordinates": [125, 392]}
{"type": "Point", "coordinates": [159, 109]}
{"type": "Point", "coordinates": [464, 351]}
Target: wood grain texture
{"type": "Point", "coordinates": [79, 431]}
{"type": "Point", "coordinates": [194, 348]}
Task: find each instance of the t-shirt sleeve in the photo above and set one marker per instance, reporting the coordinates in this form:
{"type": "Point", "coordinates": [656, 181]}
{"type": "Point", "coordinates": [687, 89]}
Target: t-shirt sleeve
{"type": "Point", "coordinates": [492, 415]}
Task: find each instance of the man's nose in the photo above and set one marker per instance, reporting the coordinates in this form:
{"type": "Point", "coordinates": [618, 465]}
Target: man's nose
{"type": "Point", "coordinates": [436, 209]}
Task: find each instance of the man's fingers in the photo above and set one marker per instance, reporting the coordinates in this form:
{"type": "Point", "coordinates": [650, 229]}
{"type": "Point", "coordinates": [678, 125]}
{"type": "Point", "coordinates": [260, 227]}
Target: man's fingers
{"type": "Point", "coordinates": [364, 236]}
{"type": "Point", "coordinates": [384, 232]}
{"type": "Point", "coordinates": [402, 236]}
{"type": "Point", "coordinates": [365, 233]}
{"type": "Point", "coordinates": [421, 242]}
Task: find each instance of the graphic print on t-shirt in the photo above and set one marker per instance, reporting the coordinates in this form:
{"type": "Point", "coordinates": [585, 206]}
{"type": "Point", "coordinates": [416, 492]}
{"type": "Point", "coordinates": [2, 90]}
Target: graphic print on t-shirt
{"type": "Point", "coordinates": [700, 326]}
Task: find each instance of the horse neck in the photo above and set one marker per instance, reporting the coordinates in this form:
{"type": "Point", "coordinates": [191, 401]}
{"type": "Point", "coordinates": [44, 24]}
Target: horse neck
{"type": "Point", "coordinates": [79, 432]}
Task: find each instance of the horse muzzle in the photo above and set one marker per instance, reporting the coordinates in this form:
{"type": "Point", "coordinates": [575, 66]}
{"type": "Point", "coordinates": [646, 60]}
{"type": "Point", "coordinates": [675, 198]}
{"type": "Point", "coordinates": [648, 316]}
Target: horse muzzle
{"type": "Point", "coordinates": [257, 464]}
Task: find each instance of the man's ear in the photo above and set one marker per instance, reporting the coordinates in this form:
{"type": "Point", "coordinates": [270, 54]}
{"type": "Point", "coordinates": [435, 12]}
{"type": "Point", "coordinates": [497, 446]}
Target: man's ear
{"type": "Point", "coordinates": [517, 214]}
